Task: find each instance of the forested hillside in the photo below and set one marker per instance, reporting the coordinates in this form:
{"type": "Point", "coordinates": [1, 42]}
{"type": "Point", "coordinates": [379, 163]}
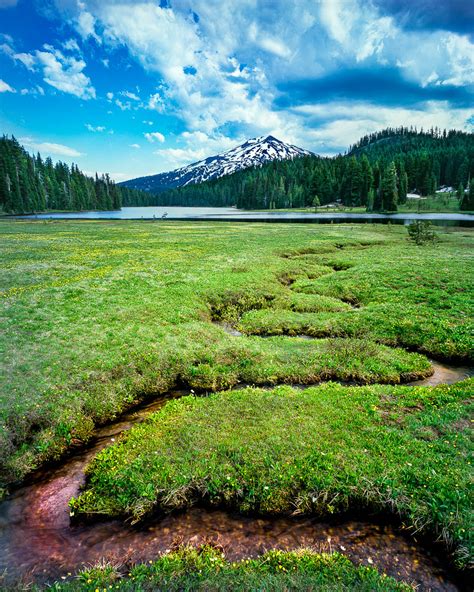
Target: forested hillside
{"type": "Point", "coordinates": [376, 173]}
{"type": "Point", "coordinates": [31, 184]}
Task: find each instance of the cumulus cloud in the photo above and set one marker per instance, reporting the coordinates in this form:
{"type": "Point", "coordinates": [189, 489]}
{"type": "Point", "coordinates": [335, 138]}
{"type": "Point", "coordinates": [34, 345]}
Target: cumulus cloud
{"type": "Point", "coordinates": [65, 73]}
{"type": "Point", "coordinates": [236, 62]}
{"type": "Point", "coordinates": [154, 137]}
{"type": "Point", "coordinates": [71, 45]}
{"type": "Point", "coordinates": [228, 75]}
{"type": "Point", "coordinates": [86, 23]}
{"type": "Point", "coordinates": [26, 59]}
{"type": "Point", "coordinates": [193, 146]}
{"type": "Point", "coordinates": [49, 147]}
{"type": "Point", "coordinates": [97, 128]}
{"type": "Point", "coordinates": [35, 90]}
{"type": "Point", "coordinates": [333, 127]}
{"type": "Point", "coordinates": [5, 87]}
{"type": "Point", "coordinates": [123, 106]}
{"type": "Point", "coordinates": [156, 102]}
{"type": "Point", "coordinates": [130, 95]}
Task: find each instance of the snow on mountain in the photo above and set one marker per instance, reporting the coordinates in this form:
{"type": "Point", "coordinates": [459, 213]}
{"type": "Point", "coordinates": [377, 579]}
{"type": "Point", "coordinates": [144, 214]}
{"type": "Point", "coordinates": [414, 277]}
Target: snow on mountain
{"type": "Point", "coordinates": [254, 152]}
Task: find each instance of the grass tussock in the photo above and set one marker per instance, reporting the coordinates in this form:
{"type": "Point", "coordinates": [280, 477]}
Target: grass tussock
{"type": "Point", "coordinates": [206, 569]}
{"type": "Point", "coordinates": [324, 450]}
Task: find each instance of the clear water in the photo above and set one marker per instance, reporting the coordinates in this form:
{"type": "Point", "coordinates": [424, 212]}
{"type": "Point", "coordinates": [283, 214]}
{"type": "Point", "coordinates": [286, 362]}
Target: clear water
{"type": "Point", "coordinates": [232, 214]}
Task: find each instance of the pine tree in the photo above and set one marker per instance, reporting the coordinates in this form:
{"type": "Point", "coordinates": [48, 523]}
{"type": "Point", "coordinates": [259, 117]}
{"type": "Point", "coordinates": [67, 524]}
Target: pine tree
{"type": "Point", "coordinates": [389, 189]}
{"type": "Point", "coordinates": [467, 203]}
{"type": "Point", "coordinates": [367, 180]}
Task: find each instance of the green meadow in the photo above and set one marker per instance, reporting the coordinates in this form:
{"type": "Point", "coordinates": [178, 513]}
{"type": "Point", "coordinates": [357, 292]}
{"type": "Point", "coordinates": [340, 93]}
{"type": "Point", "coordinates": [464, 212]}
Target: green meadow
{"type": "Point", "coordinates": [206, 569]}
{"type": "Point", "coordinates": [325, 450]}
{"type": "Point", "coordinates": [98, 316]}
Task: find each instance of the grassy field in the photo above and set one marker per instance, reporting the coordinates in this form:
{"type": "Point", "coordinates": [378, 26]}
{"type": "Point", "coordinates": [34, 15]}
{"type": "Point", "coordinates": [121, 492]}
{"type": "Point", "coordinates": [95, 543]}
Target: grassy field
{"type": "Point", "coordinates": [324, 450]}
{"type": "Point", "coordinates": [206, 569]}
{"type": "Point", "coordinates": [99, 315]}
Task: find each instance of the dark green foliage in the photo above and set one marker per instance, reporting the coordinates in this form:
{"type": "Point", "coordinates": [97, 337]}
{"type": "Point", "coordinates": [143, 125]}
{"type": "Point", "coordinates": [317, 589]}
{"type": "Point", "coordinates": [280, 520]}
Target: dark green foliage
{"type": "Point", "coordinates": [389, 189]}
{"type": "Point", "coordinates": [422, 160]}
{"type": "Point", "coordinates": [421, 232]}
{"type": "Point", "coordinates": [29, 184]}
{"type": "Point", "coordinates": [467, 201]}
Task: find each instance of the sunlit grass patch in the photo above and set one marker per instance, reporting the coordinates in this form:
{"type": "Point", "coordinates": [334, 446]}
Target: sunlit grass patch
{"type": "Point", "coordinates": [206, 569]}
{"type": "Point", "coordinates": [87, 302]}
{"type": "Point", "coordinates": [324, 450]}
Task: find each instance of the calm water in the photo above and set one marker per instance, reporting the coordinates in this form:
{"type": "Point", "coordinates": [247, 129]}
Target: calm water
{"type": "Point", "coordinates": [232, 214]}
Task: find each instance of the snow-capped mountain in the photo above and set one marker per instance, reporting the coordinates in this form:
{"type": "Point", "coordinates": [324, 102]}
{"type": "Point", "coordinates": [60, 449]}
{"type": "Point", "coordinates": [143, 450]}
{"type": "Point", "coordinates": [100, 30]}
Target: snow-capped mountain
{"type": "Point", "coordinates": [254, 152]}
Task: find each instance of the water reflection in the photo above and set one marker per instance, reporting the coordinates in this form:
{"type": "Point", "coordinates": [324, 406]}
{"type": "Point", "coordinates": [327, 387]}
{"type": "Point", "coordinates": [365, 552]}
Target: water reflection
{"type": "Point", "coordinates": [232, 214]}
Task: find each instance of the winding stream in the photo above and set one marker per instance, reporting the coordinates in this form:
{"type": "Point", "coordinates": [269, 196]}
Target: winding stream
{"type": "Point", "coordinates": [38, 543]}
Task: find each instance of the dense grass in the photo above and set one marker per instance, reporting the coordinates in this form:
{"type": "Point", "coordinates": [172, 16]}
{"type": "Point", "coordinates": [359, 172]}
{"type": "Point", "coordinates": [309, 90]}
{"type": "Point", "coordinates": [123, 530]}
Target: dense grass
{"type": "Point", "coordinates": [323, 450]}
{"type": "Point", "coordinates": [98, 315]}
{"type": "Point", "coordinates": [206, 569]}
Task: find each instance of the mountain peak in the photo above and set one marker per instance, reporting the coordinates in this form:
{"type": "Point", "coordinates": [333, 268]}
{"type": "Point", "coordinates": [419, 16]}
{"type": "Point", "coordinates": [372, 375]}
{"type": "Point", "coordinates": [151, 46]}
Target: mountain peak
{"type": "Point", "coordinates": [253, 152]}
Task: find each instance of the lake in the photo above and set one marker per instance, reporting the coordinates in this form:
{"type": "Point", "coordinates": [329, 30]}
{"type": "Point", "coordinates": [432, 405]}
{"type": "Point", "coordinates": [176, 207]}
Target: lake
{"type": "Point", "coordinates": [235, 215]}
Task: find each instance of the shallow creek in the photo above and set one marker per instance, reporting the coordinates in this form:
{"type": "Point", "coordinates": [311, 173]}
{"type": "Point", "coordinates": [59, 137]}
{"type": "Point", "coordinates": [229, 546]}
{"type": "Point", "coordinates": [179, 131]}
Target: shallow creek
{"type": "Point", "coordinates": [38, 543]}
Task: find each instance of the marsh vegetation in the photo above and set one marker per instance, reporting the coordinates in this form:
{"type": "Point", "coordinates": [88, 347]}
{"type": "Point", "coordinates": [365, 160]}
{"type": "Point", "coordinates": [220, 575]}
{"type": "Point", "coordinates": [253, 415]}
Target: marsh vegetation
{"type": "Point", "coordinates": [100, 315]}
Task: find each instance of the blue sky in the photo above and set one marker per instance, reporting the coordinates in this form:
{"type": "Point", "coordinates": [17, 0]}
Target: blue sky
{"type": "Point", "coordinates": [138, 87]}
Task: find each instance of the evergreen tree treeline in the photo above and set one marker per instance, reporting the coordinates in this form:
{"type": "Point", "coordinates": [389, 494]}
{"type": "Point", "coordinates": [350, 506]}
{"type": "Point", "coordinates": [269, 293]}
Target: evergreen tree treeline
{"type": "Point", "coordinates": [376, 173]}
{"type": "Point", "coordinates": [31, 184]}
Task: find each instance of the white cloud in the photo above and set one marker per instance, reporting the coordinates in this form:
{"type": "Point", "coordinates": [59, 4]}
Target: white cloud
{"type": "Point", "coordinates": [274, 46]}
{"type": "Point", "coordinates": [177, 157]}
{"type": "Point", "coordinates": [98, 128]}
{"type": "Point", "coordinates": [147, 122]}
{"type": "Point", "coordinates": [130, 95]}
{"type": "Point", "coordinates": [123, 106]}
{"type": "Point", "coordinates": [156, 103]}
{"type": "Point", "coordinates": [461, 59]}
{"type": "Point", "coordinates": [49, 147]}
{"type": "Point", "coordinates": [154, 136]}
{"type": "Point", "coordinates": [6, 49]}
{"type": "Point", "coordinates": [35, 90]}
{"type": "Point", "coordinates": [5, 87]}
{"type": "Point", "coordinates": [117, 177]}
{"type": "Point", "coordinates": [193, 146]}
{"type": "Point", "coordinates": [236, 63]}
{"type": "Point", "coordinates": [26, 59]}
{"type": "Point", "coordinates": [349, 121]}
{"type": "Point", "coordinates": [63, 72]}
{"type": "Point", "coordinates": [337, 17]}
{"type": "Point", "coordinates": [71, 45]}
{"type": "Point", "coordinates": [110, 96]}
{"type": "Point", "coordinates": [134, 145]}
{"type": "Point", "coordinates": [85, 23]}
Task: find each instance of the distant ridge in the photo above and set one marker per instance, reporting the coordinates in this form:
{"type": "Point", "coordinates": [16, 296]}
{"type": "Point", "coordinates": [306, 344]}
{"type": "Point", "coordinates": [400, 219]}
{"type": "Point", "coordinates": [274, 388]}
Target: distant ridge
{"type": "Point", "coordinates": [253, 152]}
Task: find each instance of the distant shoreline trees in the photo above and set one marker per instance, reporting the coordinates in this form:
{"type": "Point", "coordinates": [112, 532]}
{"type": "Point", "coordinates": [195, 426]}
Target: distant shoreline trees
{"type": "Point", "coordinates": [29, 184]}
{"type": "Point", "coordinates": [376, 173]}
